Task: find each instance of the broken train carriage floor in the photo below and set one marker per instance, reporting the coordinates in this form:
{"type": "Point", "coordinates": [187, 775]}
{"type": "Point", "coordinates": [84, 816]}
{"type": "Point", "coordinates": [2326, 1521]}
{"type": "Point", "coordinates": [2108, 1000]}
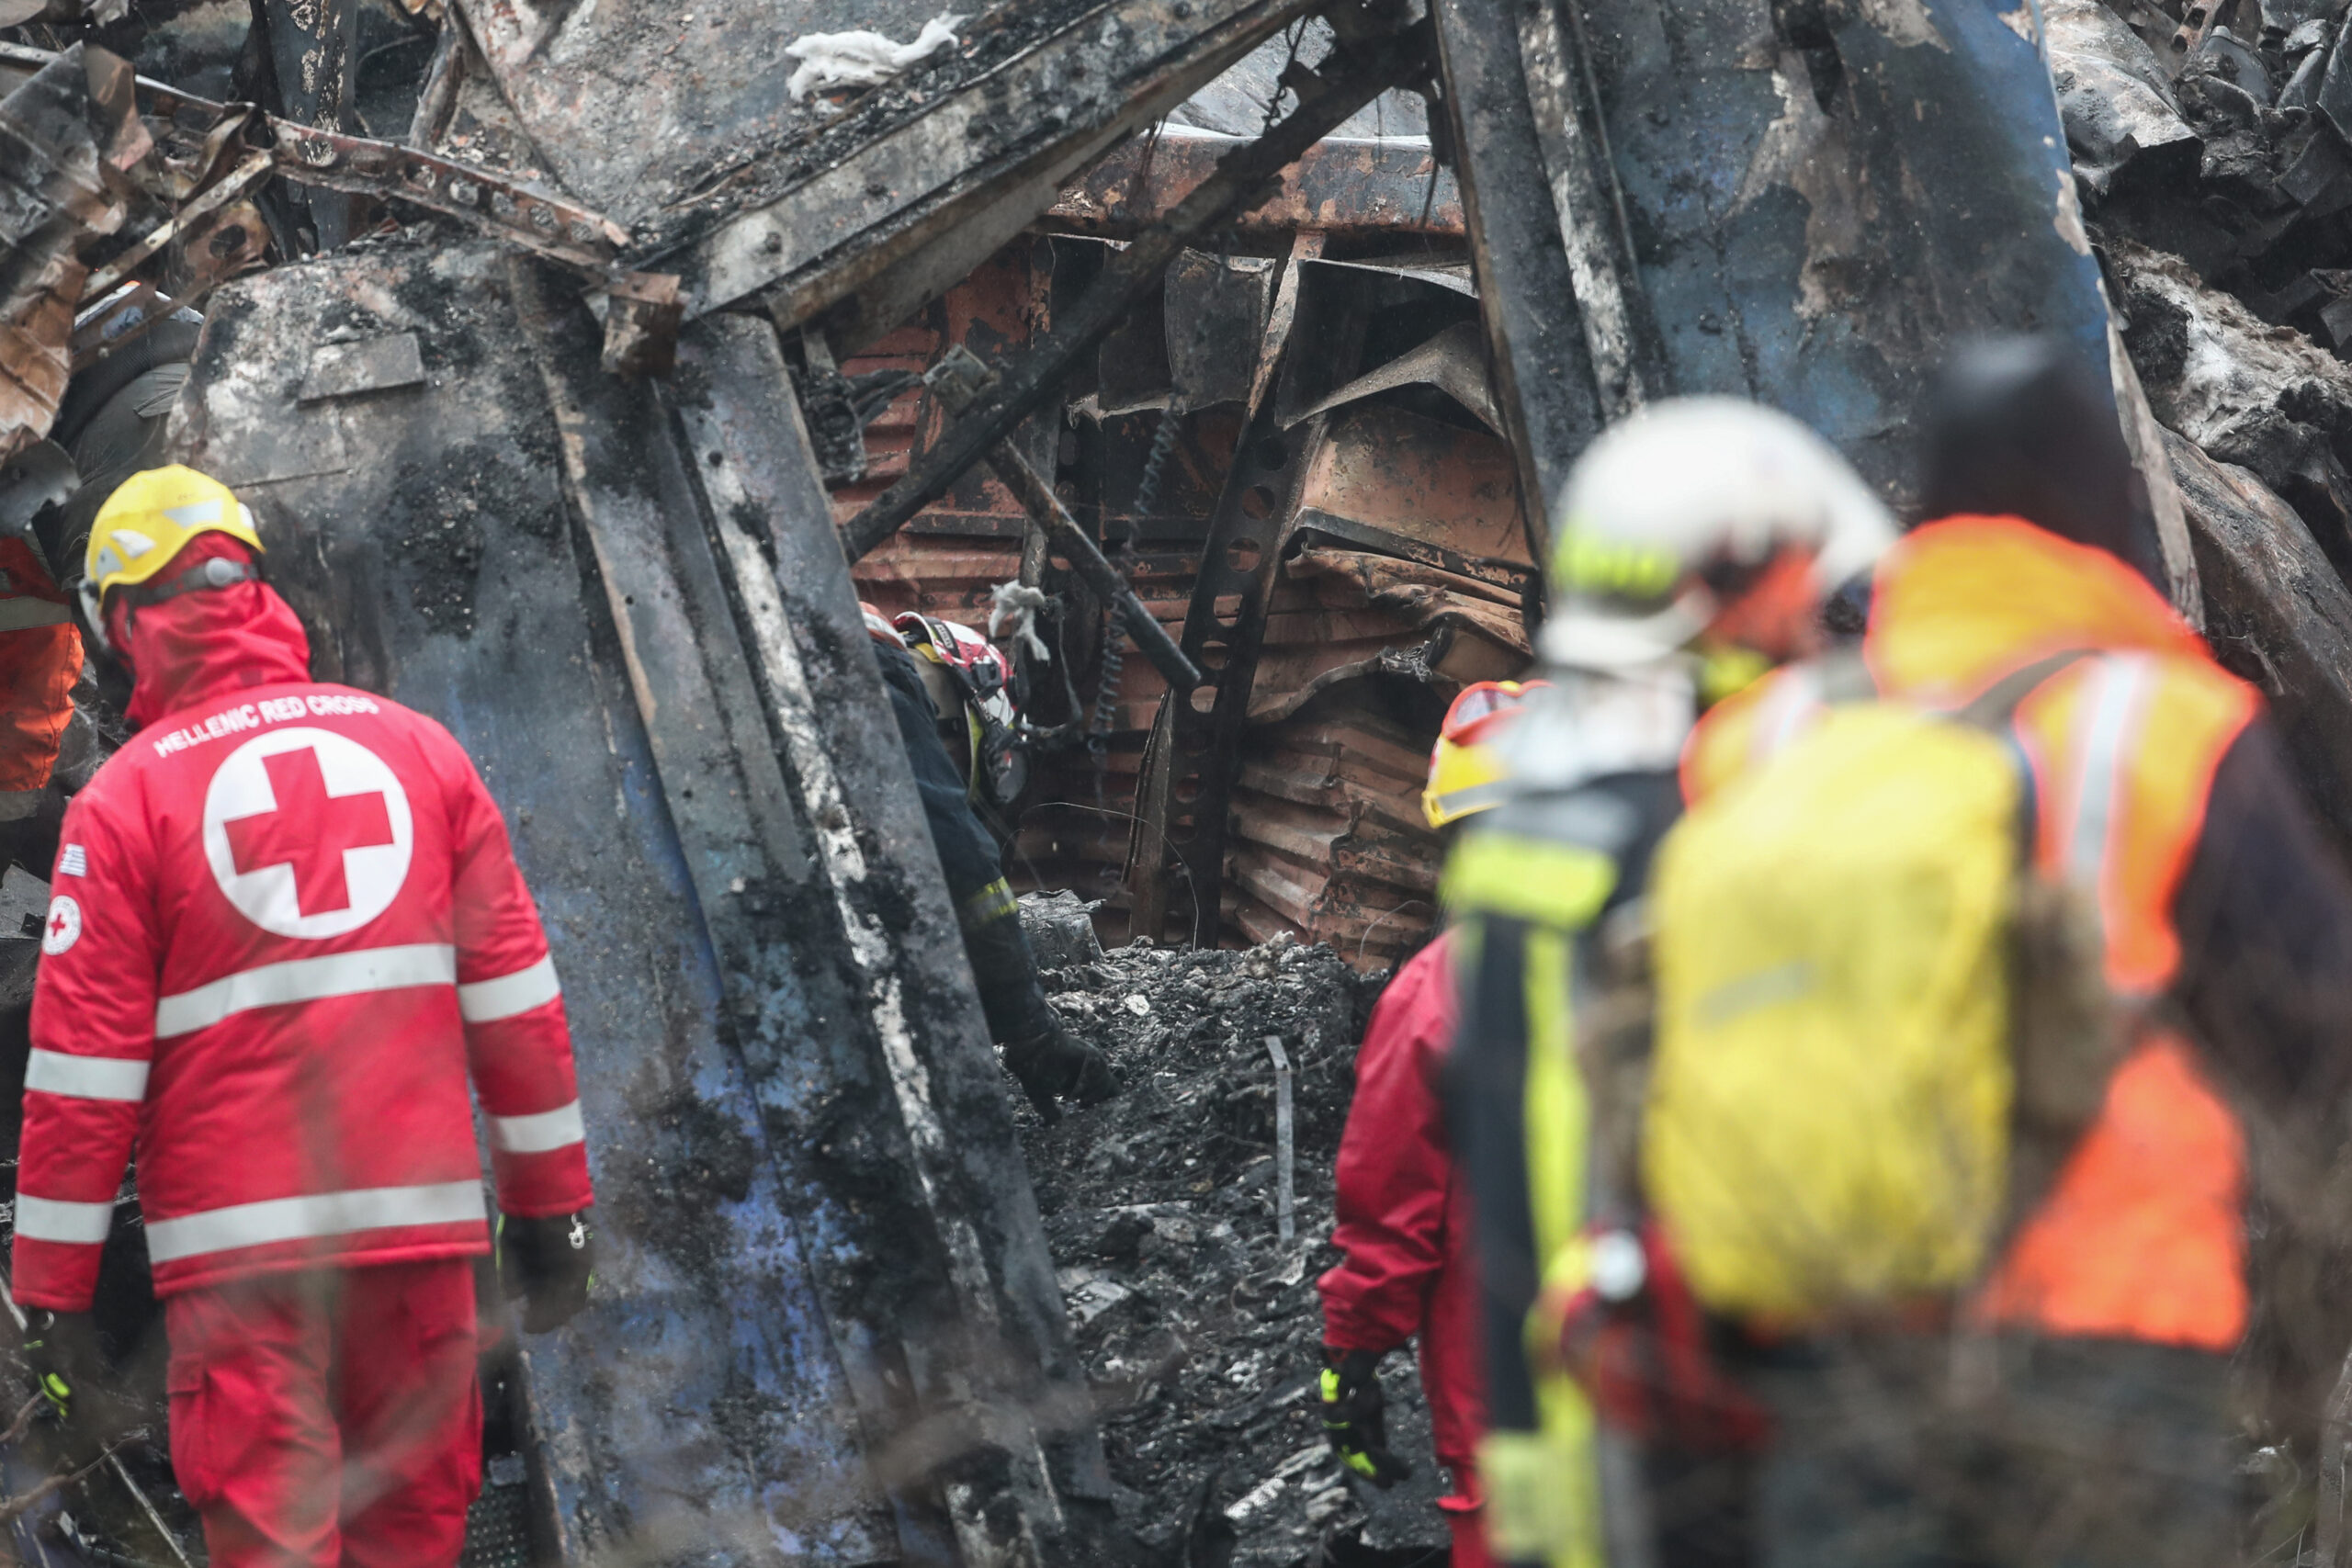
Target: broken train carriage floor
{"type": "Point", "coordinates": [1199, 1330]}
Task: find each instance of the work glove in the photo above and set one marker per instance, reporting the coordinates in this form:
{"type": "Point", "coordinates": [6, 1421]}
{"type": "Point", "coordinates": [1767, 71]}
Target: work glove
{"type": "Point", "coordinates": [547, 1265]}
{"type": "Point", "coordinates": [70, 1370]}
{"type": "Point", "coordinates": [1053, 1066]}
{"type": "Point", "coordinates": [1356, 1417]}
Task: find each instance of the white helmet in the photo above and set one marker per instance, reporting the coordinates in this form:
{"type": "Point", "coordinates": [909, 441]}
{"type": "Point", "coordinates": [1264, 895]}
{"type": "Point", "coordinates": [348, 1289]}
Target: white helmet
{"type": "Point", "coordinates": [1683, 502]}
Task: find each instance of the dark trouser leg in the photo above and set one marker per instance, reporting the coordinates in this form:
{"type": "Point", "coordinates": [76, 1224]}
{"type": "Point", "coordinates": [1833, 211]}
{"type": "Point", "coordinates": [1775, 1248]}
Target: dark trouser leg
{"type": "Point", "coordinates": [2041, 1453]}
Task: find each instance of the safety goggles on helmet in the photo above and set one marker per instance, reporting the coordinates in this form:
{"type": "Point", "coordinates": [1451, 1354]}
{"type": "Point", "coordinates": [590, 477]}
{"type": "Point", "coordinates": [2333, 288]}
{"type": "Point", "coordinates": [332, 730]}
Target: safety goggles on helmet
{"type": "Point", "coordinates": [1467, 771]}
{"type": "Point", "coordinates": [144, 525]}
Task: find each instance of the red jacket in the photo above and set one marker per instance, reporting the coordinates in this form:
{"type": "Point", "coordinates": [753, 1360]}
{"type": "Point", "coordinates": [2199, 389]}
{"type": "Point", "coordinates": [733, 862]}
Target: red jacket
{"type": "Point", "coordinates": [285, 927]}
{"type": "Point", "coordinates": [1404, 1211]}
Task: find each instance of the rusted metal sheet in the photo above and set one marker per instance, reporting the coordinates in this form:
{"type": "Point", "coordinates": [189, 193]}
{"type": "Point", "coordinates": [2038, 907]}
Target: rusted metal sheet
{"type": "Point", "coordinates": [1450, 490]}
{"type": "Point", "coordinates": [1331, 842]}
{"type": "Point", "coordinates": [67, 137]}
{"type": "Point", "coordinates": [1351, 78]}
{"type": "Point", "coordinates": [1349, 189]}
{"type": "Point", "coordinates": [1405, 564]}
{"type": "Point", "coordinates": [1187, 772]}
{"type": "Point", "coordinates": [1406, 555]}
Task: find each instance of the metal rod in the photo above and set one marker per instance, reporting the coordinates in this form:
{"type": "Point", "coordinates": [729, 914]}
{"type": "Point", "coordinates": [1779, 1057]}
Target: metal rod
{"type": "Point", "coordinates": [1285, 1147]}
{"type": "Point", "coordinates": [114, 1460]}
{"type": "Point", "coordinates": [1241, 178]}
{"type": "Point", "coordinates": [958, 380]}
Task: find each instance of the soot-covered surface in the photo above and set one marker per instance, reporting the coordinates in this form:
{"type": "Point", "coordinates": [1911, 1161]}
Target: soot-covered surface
{"type": "Point", "coordinates": [1199, 1329]}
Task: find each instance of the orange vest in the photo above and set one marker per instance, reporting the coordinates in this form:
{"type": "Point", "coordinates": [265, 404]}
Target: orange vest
{"type": "Point", "coordinates": [40, 658]}
{"type": "Point", "coordinates": [2142, 1235]}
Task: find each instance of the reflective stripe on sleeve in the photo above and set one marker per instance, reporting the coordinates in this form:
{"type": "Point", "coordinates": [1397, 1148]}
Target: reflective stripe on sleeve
{"type": "Point", "coordinates": [537, 1134]}
{"type": "Point", "coordinates": [25, 611]}
{"type": "Point", "coordinates": [2111, 718]}
{"type": "Point", "coordinates": [304, 1219]}
{"type": "Point", "coordinates": [307, 980]}
{"type": "Point", "coordinates": [991, 903]}
{"type": "Point", "coordinates": [487, 1001]}
{"type": "Point", "coordinates": [87, 1077]}
{"type": "Point", "coordinates": [47, 1218]}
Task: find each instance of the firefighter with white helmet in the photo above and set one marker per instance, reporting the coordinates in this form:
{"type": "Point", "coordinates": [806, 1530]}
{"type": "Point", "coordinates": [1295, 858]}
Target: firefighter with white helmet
{"type": "Point", "coordinates": [1693, 550]}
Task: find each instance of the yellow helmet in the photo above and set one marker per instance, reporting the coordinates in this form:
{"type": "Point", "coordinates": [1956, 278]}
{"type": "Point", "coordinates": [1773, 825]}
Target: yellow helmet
{"type": "Point", "coordinates": [151, 517]}
{"type": "Point", "coordinates": [1467, 771]}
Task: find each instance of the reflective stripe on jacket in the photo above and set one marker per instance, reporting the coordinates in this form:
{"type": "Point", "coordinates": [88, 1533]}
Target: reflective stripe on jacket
{"type": "Point", "coordinates": [2142, 1234]}
{"type": "Point", "coordinates": [288, 928]}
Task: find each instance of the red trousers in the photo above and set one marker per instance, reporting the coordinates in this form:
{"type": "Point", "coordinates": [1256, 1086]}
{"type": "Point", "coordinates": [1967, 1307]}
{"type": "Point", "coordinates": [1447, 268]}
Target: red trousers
{"type": "Point", "coordinates": [329, 1416]}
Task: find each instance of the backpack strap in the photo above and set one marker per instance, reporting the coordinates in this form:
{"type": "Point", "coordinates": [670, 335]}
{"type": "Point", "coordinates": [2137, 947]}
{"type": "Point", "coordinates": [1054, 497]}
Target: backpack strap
{"type": "Point", "coordinates": [1994, 710]}
{"type": "Point", "coordinates": [1842, 675]}
{"type": "Point", "coordinates": [1997, 703]}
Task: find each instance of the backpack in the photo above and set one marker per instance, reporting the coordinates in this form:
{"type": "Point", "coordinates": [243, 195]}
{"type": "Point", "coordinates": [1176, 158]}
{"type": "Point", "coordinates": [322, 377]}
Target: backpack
{"type": "Point", "coordinates": [1877, 1028]}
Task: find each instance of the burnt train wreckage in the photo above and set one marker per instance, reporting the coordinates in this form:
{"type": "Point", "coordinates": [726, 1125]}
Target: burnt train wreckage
{"type": "Point", "coordinates": [556, 407]}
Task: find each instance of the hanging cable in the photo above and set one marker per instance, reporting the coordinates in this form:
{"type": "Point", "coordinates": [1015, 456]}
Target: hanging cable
{"type": "Point", "coordinates": [1115, 624]}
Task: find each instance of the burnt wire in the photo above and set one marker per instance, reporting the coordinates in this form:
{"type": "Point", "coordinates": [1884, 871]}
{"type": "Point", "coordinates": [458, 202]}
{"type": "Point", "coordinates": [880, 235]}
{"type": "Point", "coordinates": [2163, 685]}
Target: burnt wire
{"type": "Point", "coordinates": [1114, 626]}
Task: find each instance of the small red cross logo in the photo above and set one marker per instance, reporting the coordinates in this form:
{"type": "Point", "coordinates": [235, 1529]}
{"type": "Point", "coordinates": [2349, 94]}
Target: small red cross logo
{"type": "Point", "coordinates": [57, 924]}
{"type": "Point", "coordinates": [308, 831]}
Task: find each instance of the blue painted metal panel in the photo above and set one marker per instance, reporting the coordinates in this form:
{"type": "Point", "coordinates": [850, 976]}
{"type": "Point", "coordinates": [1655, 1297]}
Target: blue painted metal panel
{"type": "Point", "coordinates": [701, 1410]}
{"type": "Point", "coordinates": [1819, 218]}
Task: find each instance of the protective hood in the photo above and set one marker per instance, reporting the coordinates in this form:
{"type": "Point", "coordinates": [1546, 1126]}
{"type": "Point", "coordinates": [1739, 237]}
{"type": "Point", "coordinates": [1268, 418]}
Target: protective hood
{"type": "Point", "coordinates": [204, 645]}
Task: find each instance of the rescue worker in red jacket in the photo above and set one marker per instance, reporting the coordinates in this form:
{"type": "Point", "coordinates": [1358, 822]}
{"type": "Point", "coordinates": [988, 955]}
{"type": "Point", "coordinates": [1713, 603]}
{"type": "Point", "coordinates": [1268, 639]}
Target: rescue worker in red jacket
{"type": "Point", "coordinates": [1403, 1209]}
{"type": "Point", "coordinates": [287, 929]}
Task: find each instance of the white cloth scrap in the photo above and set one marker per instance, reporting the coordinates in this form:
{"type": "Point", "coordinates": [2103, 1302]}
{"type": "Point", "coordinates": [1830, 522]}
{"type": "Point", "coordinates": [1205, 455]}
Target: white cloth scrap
{"type": "Point", "coordinates": [860, 58]}
{"type": "Point", "coordinates": [1016, 605]}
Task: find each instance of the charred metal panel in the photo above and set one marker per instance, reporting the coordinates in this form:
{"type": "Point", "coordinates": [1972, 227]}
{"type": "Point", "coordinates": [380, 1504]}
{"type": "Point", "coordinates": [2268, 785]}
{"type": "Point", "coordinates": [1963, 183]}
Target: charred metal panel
{"type": "Point", "coordinates": [1527, 294]}
{"type": "Point", "coordinates": [821, 1282]}
{"type": "Point", "coordinates": [310, 44]}
{"type": "Point", "coordinates": [1819, 213]}
{"type": "Point", "coordinates": [992, 1352]}
{"type": "Point", "coordinates": [59, 152]}
{"type": "Point", "coordinates": [2280, 617]}
{"type": "Point", "coordinates": [1823, 213]}
{"type": "Point", "coordinates": [682, 123]}
{"type": "Point", "coordinates": [702, 1393]}
{"type": "Point", "coordinates": [897, 216]}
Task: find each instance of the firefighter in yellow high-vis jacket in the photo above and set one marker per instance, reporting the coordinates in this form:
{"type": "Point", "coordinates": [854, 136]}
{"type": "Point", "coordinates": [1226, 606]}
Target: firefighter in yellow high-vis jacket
{"type": "Point", "coordinates": [1692, 552]}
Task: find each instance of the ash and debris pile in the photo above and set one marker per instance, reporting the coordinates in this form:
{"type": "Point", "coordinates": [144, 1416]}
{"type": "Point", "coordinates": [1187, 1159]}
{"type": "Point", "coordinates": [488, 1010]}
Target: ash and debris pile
{"type": "Point", "coordinates": [1199, 1329]}
{"type": "Point", "coordinates": [2212, 153]}
{"type": "Point", "coordinates": [2220, 134]}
